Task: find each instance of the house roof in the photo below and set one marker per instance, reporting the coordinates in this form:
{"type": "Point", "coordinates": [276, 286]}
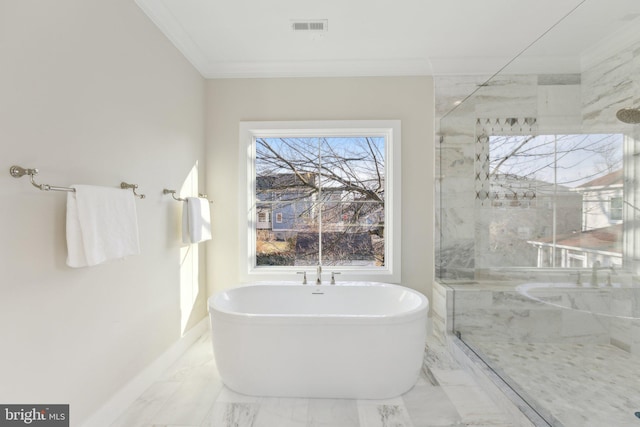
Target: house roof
{"type": "Point", "coordinates": [608, 180]}
{"type": "Point", "coordinates": [523, 184]}
{"type": "Point", "coordinates": [284, 180]}
{"type": "Point", "coordinates": [606, 239]}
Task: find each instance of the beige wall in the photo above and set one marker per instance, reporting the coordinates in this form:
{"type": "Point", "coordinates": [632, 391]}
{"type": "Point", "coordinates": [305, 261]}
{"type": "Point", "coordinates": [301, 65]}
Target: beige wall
{"type": "Point", "coordinates": [409, 99]}
{"type": "Point", "coordinates": [91, 92]}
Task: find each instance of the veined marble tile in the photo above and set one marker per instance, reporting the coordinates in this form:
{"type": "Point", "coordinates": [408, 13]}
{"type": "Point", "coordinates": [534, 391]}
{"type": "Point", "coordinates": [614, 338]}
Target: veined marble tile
{"type": "Point", "coordinates": [190, 404]}
{"type": "Point", "coordinates": [197, 363]}
{"type": "Point", "coordinates": [472, 299]}
{"type": "Point", "coordinates": [147, 405]}
{"type": "Point", "coordinates": [514, 299]}
{"type": "Point", "coordinates": [450, 90]}
{"type": "Point", "coordinates": [186, 402]}
{"type": "Point", "coordinates": [436, 356]}
{"type": "Point", "coordinates": [229, 396]}
{"type": "Point", "coordinates": [505, 424]}
{"type": "Point", "coordinates": [505, 325]}
{"type": "Point", "coordinates": [383, 413]}
{"type": "Point", "coordinates": [474, 406]}
{"type": "Point", "coordinates": [506, 95]}
{"type": "Point", "coordinates": [232, 414]}
{"type": "Point", "coordinates": [607, 87]}
{"type": "Point", "coordinates": [333, 413]}
{"type": "Point", "coordinates": [593, 328]}
{"type": "Point", "coordinates": [282, 412]}
{"type": "Point", "coordinates": [579, 384]}
{"type": "Point", "coordinates": [451, 377]}
{"type": "Point", "coordinates": [429, 406]}
{"type": "Point", "coordinates": [635, 337]}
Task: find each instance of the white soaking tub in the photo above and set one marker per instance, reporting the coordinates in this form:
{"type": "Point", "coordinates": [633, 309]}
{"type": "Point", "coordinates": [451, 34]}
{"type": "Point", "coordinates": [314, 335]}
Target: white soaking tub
{"type": "Point", "coordinates": [359, 340]}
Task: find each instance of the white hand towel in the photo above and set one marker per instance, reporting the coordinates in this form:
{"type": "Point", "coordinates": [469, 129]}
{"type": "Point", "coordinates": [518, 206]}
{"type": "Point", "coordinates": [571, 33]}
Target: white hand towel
{"type": "Point", "coordinates": [101, 225]}
{"type": "Point", "coordinates": [196, 220]}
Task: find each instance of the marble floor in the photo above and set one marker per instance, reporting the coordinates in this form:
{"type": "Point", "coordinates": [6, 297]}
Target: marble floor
{"type": "Point", "coordinates": [581, 385]}
{"type": "Point", "coordinates": [191, 394]}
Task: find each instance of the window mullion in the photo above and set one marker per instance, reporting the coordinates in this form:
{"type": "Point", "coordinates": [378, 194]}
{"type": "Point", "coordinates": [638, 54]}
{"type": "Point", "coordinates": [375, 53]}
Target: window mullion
{"type": "Point", "coordinates": [320, 203]}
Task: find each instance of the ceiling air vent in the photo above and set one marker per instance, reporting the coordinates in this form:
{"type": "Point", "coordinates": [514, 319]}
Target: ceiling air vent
{"type": "Point", "coordinates": [309, 25]}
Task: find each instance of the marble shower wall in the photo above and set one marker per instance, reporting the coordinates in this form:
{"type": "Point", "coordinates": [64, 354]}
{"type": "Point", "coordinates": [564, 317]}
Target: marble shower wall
{"type": "Point", "coordinates": [572, 103]}
{"type": "Point", "coordinates": [493, 312]}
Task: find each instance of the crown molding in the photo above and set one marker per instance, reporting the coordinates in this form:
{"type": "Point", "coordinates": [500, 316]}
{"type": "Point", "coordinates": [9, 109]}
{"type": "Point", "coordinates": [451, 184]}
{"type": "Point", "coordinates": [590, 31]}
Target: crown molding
{"type": "Point", "coordinates": [162, 17]}
{"type": "Point", "coordinates": [337, 68]}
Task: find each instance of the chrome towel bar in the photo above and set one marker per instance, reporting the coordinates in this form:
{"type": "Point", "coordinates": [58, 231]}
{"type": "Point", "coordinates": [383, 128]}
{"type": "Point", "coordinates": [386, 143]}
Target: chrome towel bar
{"type": "Point", "coordinates": [19, 172]}
{"type": "Point", "coordinates": [133, 187]}
{"type": "Point", "coordinates": [173, 194]}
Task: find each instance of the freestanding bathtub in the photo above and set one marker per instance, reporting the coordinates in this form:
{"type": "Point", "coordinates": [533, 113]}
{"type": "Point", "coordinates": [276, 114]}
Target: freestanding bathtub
{"type": "Point", "coordinates": [359, 340]}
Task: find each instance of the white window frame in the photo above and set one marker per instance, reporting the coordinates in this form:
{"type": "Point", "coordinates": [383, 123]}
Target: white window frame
{"type": "Point", "coordinates": [389, 129]}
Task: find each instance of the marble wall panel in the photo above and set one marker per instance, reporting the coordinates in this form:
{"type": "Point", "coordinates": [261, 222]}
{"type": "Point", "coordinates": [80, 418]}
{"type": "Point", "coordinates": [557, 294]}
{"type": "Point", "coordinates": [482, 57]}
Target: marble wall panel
{"type": "Point", "coordinates": [450, 91]}
{"type": "Point", "coordinates": [508, 96]}
{"type": "Point", "coordinates": [543, 325]}
{"type": "Point", "coordinates": [607, 87]}
{"type": "Point", "coordinates": [577, 326]}
{"type": "Point", "coordinates": [625, 303]}
{"type": "Point", "coordinates": [635, 336]}
{"type": "Point", "coordinates": [441, 311]}
{"type": "Point", "coordinates": [560, 103]}
{"type": "Point", "coordinates": [621, 334]}
{"type": "Point", "coordinates": [506, 314]}
{"type": "Point", "coordinates": [456, 159]}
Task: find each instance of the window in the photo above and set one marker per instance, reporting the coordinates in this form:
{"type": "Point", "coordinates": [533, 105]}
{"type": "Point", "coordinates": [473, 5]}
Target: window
{"type": "Point", "coordinates": [616, 209]}
{"type": "Point", "coordinates": [558, 188]}
{"type": "Point", "coordinates": [333, 189]}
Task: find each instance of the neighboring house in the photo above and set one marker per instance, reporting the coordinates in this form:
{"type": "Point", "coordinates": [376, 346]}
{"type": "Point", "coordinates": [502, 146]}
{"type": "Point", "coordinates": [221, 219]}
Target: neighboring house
{"type": "Point", "coordinates": [287, 208]}
{"type": "Point", "coordinates": [600, 238]}
{"type": "Point", "coordinates": [287, 202]}
{"type": "Point", "coordinates": [522, 209]}
{"type": "Point", "coordinates": [581, 249]}
{"type": "Point", "coordinates": [602, 201]}
{"type": "Point", "coordinates": [293, 196]}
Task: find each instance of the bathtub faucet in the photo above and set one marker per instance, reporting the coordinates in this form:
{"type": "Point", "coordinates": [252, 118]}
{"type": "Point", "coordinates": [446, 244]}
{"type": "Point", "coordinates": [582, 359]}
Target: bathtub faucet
{"type": "Point", "coordinates": [304, 276]}
{"type": "Point", "coordinates": [333, 277]}
{"type": "Point", "coordinates": [319, 273]}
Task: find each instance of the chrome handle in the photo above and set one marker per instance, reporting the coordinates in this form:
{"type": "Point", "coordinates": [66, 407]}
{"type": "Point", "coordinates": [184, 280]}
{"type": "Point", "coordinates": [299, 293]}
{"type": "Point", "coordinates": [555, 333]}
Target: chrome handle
{"type": "Point", "coordinates": [304, 276]}
{"type": "Point", "coordinates": [333, 279]}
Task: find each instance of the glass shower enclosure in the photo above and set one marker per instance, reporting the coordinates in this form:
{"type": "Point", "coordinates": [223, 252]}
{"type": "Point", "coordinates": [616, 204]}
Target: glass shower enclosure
{"type": "Point", "coordinates": [538, 214]}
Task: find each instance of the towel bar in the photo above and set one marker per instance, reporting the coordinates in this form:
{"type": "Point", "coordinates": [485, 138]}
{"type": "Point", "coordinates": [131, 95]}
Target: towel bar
{"type": "Point", "coordinates": [19, 172]}
{"type": "Point", "coordinates": [133, 187]}
{"type": "Point", "coordinates": [173, 194]}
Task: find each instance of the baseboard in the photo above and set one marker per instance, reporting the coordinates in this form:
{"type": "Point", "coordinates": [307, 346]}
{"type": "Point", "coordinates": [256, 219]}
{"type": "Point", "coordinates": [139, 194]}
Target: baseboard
{"type": "Point", "coordinates": [118, 403]}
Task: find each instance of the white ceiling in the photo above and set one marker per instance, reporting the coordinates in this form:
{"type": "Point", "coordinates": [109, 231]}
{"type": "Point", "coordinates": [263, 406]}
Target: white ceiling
{"type": "Point", "coordinates": [253, 38]}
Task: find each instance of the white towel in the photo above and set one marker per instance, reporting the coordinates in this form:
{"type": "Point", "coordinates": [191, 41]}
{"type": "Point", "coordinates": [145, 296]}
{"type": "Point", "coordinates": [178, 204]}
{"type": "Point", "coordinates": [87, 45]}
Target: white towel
{"type": "Point", "coordinates": [196, 220]}
{"type": "Point", "coordinates": [101, 225]}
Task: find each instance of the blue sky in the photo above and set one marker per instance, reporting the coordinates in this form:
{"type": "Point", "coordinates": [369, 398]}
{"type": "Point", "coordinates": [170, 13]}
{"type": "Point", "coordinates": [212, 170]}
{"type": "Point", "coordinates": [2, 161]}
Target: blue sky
{"type": "Point", "coordinates": [580, 158]}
